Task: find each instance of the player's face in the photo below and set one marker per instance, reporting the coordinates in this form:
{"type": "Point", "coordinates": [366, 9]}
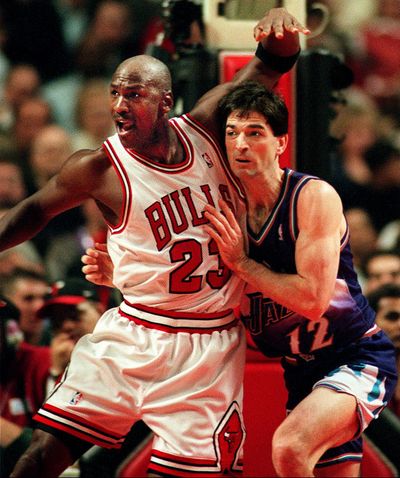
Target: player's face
{"type": "Point", "coordinates": [136, 107]}
{"type": "Point", "coordinates": [29, 296]}
{"type": "Point", "coordinates": [388, 318]}
{"type": "Point", "coordinates": [251, 146]}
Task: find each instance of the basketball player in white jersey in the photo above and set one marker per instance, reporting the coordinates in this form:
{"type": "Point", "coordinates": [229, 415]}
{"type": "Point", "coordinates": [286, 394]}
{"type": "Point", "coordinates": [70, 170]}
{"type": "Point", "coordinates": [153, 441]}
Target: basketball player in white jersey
{"type": "Point", "coordinates": [172, 353]}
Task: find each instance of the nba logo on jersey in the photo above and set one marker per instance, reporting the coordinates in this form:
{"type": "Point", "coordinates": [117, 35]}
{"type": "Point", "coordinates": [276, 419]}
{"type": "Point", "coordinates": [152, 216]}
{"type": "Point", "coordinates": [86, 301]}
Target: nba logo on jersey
{"type": "Point", "coordinates": [76, 398]}
{"type": "Point", "coordinates": [208, 160]}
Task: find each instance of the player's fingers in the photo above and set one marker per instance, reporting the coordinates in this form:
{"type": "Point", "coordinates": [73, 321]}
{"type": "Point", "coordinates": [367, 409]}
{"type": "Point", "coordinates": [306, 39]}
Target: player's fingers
{"type": "Point", "coordinates": [91, 252]}
{"type": "Point", "coordinates": [85, 259]}
{"type": "Point", "coordinates": [262, 30]}
{"type": "Point", "coordinates": [90, 269]}
{"type": "Point", "coordinates": [277, 27]}
{"type": "Point", "coordinates": [94, 278]}
{"type": "Point", "coordinates": [292, 25]}
{"type": "Point", "coordinates": [218, 224]}
{"type": "Point", "coordinates": [101, 246]}
{"type": "Point", "coordinates": [230, 217]}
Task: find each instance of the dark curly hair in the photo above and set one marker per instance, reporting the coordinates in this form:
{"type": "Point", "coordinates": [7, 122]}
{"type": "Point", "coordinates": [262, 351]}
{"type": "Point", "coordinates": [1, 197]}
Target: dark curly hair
{"type": "Point", "coordinates": [253, 96]}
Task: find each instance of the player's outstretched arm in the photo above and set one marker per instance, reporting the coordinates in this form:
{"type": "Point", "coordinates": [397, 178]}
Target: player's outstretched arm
{"type": "Point", "coordinates": [277, 34]}
{"type": "Point", "coordinates": [69, 188]}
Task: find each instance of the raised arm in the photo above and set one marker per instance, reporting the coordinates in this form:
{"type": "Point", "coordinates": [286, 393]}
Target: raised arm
{"type": "Point", "coordinates": [276, 53]}
{"type": "Point", "coordinates": [321, 224]}
{"type": "Point", "coordinates": [69, 188]}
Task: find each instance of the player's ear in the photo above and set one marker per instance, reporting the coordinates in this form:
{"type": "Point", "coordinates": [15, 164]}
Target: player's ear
{"type": "Point", "coordinates": [282, 143]}
{"type": "Point", "coordinates": [167, 101]}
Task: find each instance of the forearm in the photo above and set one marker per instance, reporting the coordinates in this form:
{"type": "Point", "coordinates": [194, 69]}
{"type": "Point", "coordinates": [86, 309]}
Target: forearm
{"type": "Point", "coordinates": [21, 223]}
{"type": "Point", "coordinates": [290, 290]}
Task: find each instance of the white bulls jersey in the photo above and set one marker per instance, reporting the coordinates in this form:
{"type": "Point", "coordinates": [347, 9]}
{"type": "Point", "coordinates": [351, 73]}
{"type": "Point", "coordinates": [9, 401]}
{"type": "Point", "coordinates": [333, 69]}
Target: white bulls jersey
{"type": "Point", "coordinates": [161, 253]}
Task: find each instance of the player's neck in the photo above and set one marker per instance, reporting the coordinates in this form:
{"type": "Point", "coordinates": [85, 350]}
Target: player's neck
{"type": "Point", "coordinates": [262, 196]}
{"type": "Point", "coordinates": [164, 147]}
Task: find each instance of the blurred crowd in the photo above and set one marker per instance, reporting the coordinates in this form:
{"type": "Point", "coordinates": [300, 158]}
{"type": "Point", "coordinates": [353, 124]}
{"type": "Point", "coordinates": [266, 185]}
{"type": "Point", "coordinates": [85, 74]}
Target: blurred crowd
{"type": "Point", "coordinates": [56, 60]}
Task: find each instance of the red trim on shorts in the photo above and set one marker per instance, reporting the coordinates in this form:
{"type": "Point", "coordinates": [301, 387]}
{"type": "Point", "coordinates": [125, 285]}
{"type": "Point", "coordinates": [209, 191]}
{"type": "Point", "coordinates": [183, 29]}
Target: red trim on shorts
{"type": "Point", "coordinates": [164, 470]}
{"type": "Point", "coordinates": [184, 460]}
{"type": "Point", "coordinates": [106, 439]}
{"type": "Point", "coordinates": [79, 420]}
{"type": "Point", "coordinates": [74, 432]}
{"type": "Point", "coordinates": [171, 329]}
{"type": "Point", "coordinates": [181, 315]}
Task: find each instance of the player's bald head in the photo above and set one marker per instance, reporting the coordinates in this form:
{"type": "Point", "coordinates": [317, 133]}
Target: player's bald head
{"type": "Point", "coordinates": [145, 69]}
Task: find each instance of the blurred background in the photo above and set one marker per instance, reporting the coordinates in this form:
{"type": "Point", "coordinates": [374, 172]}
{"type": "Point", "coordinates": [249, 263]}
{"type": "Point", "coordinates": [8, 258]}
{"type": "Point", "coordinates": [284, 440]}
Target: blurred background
{"type": "Point", "coordinates": [57, 58]}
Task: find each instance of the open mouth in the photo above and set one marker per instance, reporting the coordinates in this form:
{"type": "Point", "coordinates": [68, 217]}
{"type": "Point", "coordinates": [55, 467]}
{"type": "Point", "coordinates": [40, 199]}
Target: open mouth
{"type": "Point", "coordinates": [123, 126]}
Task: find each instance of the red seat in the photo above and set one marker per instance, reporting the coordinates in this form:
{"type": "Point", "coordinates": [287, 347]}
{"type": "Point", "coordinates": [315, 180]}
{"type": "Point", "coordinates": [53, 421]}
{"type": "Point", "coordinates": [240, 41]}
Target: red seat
{"type": "Point", "coordinates": [264, 409]}
{"type": "Point", "coordinates": [374, 463]}
{"type": "Point", "coordinates": [135, 465]}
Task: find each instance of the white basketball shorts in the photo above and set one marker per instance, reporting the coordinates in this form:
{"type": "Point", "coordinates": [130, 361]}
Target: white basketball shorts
{"type": "Point", "coordinates": [182, 375]}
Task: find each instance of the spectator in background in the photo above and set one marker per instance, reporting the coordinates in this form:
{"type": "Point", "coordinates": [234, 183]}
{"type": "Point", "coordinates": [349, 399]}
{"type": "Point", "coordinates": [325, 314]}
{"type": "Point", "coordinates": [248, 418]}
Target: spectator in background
{"type": "Point", "coordinates": [50, 148]}
{"type": "Point", "coordinates": [385, 300]}
{"type": "Point", "coordinates": [381, 267]}
{"type": "Point", "coordinates": [34, 35]}
{"type": "Point", "coordinates": [378, 55]}
{"type": "Point", "coordinates": [105, 42]}
{"type": "Point", "coordinates": [363, 239]}
{"type": "Point", "coordinates": [181, 43]}
{"type": "Point", "coordinates": [12, 191]}
{"type": "Point", "coordinates": [93, 120]}
{"type": "Point", "coordinates": [74, 16]}
{"type": "Point", "coordinates": [30, 372]}
{"type": "Point", "coordinates": [32, 115]}
{"type": "Point", "coordinates": [108, 40]}
{"type": "Point", "coordinates": [28, 291]}
{"type": "Point", "coordinates": [60, 264]}
{"type": "Point", "coordinates": [21, 82]}
{"type": "Point", "coordinates": [322, 19]}
{"type": "Point", "coordinates": [383, 200]}
{"type": "Point", "coordinates": [12, 185]}
{"type": "Point", "coordinates": [24, 371]}
{"type": "Point", "coordinates": [72, 310]}
{"type": "Point", "coordinates": [356, 128]}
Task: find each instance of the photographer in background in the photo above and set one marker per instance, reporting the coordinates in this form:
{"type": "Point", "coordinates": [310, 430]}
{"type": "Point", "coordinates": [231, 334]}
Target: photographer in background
{"type": "Point", "coordinates": [182, 46]}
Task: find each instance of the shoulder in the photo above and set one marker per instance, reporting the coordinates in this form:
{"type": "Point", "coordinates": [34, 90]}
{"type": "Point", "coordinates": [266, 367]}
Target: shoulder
{"type": "Point", "coordinates": [319, 205]}
{"type": "Point", "coordinates": [87, 157]}
{"type": "Point", "coordinates": [84, 165]}
{"type": "Point", "coordinates": [319, 189]}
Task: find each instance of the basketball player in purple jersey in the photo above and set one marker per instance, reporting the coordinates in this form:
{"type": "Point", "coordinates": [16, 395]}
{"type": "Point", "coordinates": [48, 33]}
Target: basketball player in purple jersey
{"type": "Point", "coordinates": [303, 301]}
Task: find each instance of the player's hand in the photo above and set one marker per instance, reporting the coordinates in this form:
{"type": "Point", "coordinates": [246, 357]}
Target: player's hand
{"type": "Point", "coordinates": [98, 267]}
{"type": "Point", "coordinates": [277, 22]}
{"type": "Point", "coordinates": [60, 351]}
{"type": "Point", "coordinates": [226, 232]}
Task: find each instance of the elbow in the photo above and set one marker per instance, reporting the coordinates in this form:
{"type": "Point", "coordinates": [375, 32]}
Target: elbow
{"type": "Point", "coordinates": [315, 307]}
